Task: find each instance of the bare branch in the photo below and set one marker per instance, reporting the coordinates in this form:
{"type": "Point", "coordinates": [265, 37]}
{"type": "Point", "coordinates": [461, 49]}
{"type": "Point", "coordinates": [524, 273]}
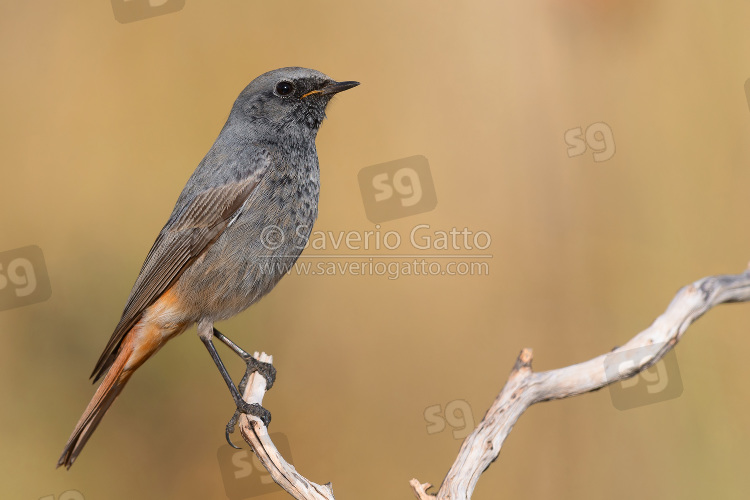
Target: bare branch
{"type": "Point", "coordinates": [525, 388]}
{"type": "Point", "coordinates": [256, 435]}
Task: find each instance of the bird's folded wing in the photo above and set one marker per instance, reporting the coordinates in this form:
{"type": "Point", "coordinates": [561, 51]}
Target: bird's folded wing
{"type": "Point", "coordinates": [178, 245]}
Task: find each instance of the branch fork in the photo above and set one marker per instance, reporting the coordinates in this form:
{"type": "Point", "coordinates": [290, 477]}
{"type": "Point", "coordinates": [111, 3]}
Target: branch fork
{"type": "Point", "coordinates": [523, 388]}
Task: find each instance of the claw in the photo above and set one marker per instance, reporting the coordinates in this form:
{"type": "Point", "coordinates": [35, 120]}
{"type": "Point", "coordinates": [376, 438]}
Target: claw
{"type": "Point", "coordinates": [230, 429]}
{"type": "Point", "coordinates": [229, 440]}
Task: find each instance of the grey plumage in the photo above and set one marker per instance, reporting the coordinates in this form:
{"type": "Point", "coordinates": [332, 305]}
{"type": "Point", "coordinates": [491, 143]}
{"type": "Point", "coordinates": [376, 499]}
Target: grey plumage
{"type": "Point", "coordinates": [261, 172]}
{"type": "Point", "coordinates": [215, 255]}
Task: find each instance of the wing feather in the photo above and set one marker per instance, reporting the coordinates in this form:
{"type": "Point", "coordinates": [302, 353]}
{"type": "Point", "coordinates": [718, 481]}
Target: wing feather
{"type": "Point", "coordinates": [178, 245]}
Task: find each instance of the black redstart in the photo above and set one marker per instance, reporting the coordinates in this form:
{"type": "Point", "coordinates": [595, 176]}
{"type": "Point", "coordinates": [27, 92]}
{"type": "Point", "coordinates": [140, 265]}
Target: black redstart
{"type": "Point", "coordinates": [211, 259]}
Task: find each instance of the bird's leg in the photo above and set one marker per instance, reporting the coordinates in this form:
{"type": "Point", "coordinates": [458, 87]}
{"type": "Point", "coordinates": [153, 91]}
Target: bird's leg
{"type": "Point", "coordinates": [253, 365]}
{"type": "Point", "coordinates": [242, 405]}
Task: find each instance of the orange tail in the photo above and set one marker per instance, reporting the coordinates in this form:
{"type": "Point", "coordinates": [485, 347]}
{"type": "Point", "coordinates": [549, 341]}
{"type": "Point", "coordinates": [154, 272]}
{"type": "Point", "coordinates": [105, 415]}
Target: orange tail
{"type": "Point", "coordinates": [105, 395]}
{"type": "Point", "coordinates": [139, 344]}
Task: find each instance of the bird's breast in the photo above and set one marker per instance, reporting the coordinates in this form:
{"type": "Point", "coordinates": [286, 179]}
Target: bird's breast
{"type": "Point", "coordinates": [261, 244]}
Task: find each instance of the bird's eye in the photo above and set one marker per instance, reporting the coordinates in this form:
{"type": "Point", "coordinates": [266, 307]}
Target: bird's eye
{"type": "Point", "coordinates": [284, 88]}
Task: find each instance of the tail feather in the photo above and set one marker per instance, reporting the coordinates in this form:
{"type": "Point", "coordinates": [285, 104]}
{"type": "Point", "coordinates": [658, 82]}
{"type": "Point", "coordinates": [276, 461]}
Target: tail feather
{"type": "Point", "coordinates": [140, 343]}
{"type": "Point", "coordinates": [105, 395]}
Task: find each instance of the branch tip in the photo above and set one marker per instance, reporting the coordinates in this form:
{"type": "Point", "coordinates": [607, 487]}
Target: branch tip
{"type": "Point", "coordinates": [523, 362]}
{"type": "Point", "coordinates": [420, 489]}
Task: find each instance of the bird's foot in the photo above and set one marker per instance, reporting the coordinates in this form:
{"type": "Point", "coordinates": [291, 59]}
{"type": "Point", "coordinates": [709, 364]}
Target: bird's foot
{"type": "Point", "coordinates": [249, 409]}
{"type": "Point", "coordinates": [269, 373]}
{"type": "Point", "coordinates": [253, 365]}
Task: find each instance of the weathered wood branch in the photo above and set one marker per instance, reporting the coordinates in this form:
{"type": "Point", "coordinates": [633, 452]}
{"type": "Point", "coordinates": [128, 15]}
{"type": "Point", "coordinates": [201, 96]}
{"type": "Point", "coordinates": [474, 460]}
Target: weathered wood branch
{"type": "Point", "coordinates": [256, 435]}
{"type": "Point", "coordinates": [523, 389]}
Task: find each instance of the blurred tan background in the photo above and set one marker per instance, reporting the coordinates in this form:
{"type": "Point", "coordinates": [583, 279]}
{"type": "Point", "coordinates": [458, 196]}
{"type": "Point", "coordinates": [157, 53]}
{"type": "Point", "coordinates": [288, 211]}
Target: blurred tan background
{"type": "Point", "coordinates": [103, 122]}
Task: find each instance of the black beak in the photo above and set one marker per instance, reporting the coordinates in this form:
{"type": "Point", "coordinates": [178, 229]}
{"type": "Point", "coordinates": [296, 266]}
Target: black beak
{"type": "Point", "coordinates": [336, 87]}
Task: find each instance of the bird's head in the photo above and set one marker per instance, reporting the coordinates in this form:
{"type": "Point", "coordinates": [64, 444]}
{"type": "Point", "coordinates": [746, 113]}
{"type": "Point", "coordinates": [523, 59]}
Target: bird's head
{"type": "Point", "coordinates": [292, 99]}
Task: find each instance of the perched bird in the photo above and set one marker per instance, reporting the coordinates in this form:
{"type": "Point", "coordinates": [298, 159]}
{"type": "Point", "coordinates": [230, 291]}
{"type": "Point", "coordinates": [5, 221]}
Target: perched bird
{"type": "Point", "coordinates": [238, 226]}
